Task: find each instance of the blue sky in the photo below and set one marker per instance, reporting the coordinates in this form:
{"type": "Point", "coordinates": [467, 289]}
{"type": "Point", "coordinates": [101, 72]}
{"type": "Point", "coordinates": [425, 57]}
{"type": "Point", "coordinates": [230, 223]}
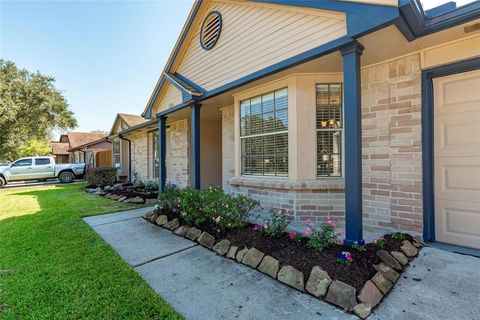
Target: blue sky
{"type": "Point", "coordinates": [105, 55]}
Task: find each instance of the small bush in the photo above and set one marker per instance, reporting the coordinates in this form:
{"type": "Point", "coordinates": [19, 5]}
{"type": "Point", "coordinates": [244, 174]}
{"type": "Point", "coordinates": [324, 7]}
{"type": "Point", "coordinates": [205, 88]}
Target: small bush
{"type": "Point", "coordinates": [275, 225]}
{"type": "Point", "coordinates": [398, 236]}
{"type": "Point", "coordinates": [380, 243]}
{"type": "Point", "coordinates": [324, 237]}
{"type": "Point", "coordinates": [100, 177]}
{"type": "Point", "coordinates": [359, 246]}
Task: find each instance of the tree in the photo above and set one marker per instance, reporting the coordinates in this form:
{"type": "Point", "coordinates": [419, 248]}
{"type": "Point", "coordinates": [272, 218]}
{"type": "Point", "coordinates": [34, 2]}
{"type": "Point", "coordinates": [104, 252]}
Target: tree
{"type": "Point", "coordinates": [35, 147]}
{"type": "Point", "coordinates": [31, 108]}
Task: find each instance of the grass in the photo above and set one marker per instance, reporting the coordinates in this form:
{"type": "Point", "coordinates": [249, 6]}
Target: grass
{"type": "Point", "coordinates": [60, 268]}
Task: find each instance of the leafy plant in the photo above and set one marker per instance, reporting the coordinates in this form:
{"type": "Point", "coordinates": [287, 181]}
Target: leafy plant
{"type": "Point", "coordinates": [275, 225]}
{"type": "Point", "coordinates": [295, 236]}
{"type": "Point", "coordinates": [359, 246]}
{"type": "Point", "coordinates": [398, 236]}
{"type": "Point", "coordinates": [380, 243]}
{"type": "Point", "coordinates": [324, 237]}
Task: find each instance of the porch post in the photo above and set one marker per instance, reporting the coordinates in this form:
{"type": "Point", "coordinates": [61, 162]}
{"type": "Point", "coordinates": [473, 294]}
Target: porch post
{"type": "Point", "coordinates": [162, 150]}
{"type": "Point", "coordinates": [353, 142]}
{"type": "Point", "coordinates": [195, 136]}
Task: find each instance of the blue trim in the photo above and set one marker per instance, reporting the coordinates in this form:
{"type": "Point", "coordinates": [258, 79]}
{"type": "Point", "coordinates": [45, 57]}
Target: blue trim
{"type": "Point", "coordinates": [162, 150]}
{"type": "Point", "coordinates": [190, 83]}
{"type": "Point", "coordinates": [441, 9]}
{"type": "Point", "coordinates": [219, 30]}
{"type": "Point", "coordinates": [195, 132]}
{"type": "Point", "coordinates": [186, 95]}
{"type": "Point", "coordinates": [353, 143]}
{"type": "Point", "coordinates": [148, 112]}
{"type": "Point", "coordinates": [428, 138]}
{"type": "Point", "coordinates": [414, 18]}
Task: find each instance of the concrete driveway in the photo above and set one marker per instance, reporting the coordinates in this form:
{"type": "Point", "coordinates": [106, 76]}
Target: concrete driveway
{"type": "Point", "coordinates": [201, 285]}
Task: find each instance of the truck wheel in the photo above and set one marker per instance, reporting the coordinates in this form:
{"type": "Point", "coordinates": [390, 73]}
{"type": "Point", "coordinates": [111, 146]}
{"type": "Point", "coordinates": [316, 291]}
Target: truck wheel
{"type": "Point", "coordinates": [66, 177]}
{"type": "Point", "coordinates": [2, 182]}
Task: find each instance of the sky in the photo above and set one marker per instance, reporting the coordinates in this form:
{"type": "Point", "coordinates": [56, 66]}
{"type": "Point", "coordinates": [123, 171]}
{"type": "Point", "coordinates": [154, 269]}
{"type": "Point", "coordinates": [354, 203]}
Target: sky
{"type": "Point", "coordinates": [106, 56]}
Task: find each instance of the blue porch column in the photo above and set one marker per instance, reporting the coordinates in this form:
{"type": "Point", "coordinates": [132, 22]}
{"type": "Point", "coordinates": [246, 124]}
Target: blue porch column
{"type": "Point", "coordinates": [353, 142]}
{"type": "Point", "coordinates": [195, 132]}
{"type": "Point", "coordinates": [162, 150]}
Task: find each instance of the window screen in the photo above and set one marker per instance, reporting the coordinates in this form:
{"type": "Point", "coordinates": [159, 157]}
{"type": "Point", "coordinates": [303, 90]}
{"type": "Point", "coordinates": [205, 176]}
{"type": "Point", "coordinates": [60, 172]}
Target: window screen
{"type": "Point", "coordinates": [329, 130]}
{"type": "Point", "coordinates": [264, 134]}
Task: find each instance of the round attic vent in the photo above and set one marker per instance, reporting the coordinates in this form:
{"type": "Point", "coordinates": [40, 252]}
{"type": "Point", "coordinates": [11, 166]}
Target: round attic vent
{"type": "Point", "coordinates": [211, 28]}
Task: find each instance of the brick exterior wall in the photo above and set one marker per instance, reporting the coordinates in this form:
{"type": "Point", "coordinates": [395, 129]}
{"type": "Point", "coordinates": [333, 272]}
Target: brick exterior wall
{"type": "Point", "coordinates": [139, 161]}
{"type": "Point", "coordinates": [392, 157]}
{"type": "Point", "coordinates": [392, 144]}
{"type": "Point", "coordinates": [177, 154]}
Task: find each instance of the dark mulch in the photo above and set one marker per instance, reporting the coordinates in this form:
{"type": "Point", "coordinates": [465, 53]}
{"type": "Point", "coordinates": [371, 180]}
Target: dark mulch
{"type": "Point", "coordinates": [132, 192]}
{"type": "Point", "coordinates": [300, 256]}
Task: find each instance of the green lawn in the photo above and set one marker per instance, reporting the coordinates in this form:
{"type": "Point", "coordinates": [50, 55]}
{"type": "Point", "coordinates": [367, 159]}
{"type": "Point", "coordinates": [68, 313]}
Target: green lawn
{"type": "Point", "coordinates": [61, 269]}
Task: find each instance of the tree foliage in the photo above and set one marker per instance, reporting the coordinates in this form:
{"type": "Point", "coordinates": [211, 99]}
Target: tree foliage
{"type": "Point", "coordinates": [35, 147]}
{"type": "Point", "coordinates": [31, 108]}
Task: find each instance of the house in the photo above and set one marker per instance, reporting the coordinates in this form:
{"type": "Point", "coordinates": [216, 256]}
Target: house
{"type": "Point", "coordinates": [70, 142]}
{"type": "Point", "coordinates": [96, 154]}
{"type": "Point", "coordinates": [60, 151]}
{"type": "Point", "coordinates": [364, 111]}
{"type": "Point", "coordinates": [135, 148]}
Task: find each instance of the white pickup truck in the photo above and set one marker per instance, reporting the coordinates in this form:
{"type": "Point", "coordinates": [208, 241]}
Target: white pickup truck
{"type": "Point", "coordinates": [40, 168]}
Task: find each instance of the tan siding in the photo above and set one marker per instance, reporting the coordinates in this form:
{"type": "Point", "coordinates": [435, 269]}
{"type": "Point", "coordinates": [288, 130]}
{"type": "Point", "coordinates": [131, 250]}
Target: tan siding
{"type": "Point", "coordinates": [171, 97]}
{"type": "Point", "coordinates": [254, 37]}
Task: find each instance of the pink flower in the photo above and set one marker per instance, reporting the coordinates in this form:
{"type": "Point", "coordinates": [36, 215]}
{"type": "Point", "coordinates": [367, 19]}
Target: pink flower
{"type": "Point", "coordinates": [309, 220]}
{"type": "Point", "coordinates": [331, 223]}
{"type": "Point", "coordinates": [341, 232]}
{"type": "Point", "coordinates": [291, 235]}
{"type": "Point", "coordinates": [265, 225]}
{"type": "Point", "coordinates": [256, 227]}
{"type": "Point", "coordinates": [217, 219]}
{"type": "Point", "coordinates": [307, 231]}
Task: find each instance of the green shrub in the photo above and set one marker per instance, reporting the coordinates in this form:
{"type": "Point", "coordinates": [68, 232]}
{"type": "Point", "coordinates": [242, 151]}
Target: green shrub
{"type": "Point", "coordinates": [275, 225]}
{"type": "Point", "coordinates": [323, 238]}
{"type": "Point", "coordinates": [100, 177]}
{"type": "Point", "coordinates": [398, 236]}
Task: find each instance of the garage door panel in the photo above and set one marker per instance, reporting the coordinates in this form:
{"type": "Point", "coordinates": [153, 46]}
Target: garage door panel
{"type": "Point", "coordinates": [450, 92]}
{"type": "Point", "coordinates": [458, 134]}
{"type": "Point", "coordinates": [458, 222]}
{"type": "Point", "coordinates": [457, 178]}
{"type": "Point", "coordinates": [457, 159]}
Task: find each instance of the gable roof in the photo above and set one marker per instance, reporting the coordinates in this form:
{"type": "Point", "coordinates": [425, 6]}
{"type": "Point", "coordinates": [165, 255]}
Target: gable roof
{"type": "Point", "coordinates": [79, 138]}
{"type": "Point", "coordinates": [130, 120]}
{"type": "Point", "coordinates": [362, 17]}
{"type": "Point", "coordinates": [59, 148]}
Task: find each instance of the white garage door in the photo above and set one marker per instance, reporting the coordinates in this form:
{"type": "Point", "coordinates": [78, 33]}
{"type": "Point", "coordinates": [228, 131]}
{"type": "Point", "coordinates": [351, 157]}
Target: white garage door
{"type": "Point", "coordinates": [457, 159]}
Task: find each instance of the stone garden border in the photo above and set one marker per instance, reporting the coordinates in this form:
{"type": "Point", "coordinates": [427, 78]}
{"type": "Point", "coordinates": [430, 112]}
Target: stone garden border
{"type": "Point", "coordinates": [319, 283]}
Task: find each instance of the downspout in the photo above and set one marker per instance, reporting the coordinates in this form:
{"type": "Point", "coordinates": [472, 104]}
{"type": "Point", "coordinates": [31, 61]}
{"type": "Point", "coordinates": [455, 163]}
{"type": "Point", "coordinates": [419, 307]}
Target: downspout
{"type": "Point", "coordinates": [129, 157]}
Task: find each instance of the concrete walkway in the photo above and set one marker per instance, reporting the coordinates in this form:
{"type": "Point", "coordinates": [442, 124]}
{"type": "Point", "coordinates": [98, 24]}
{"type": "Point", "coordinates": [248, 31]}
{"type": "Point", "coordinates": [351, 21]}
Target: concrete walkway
{"type": "Point", "coordinates": [201, 285]}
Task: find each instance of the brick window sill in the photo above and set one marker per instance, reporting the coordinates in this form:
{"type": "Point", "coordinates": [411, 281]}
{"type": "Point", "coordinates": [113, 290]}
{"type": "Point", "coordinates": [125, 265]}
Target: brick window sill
{"type": "Point", "coordinates": [285, 184]}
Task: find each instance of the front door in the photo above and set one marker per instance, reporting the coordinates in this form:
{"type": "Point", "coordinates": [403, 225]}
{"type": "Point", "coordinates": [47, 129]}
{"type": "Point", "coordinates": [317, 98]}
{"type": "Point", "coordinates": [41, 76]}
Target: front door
{"type": "Point", "coordinates": [457, 159]}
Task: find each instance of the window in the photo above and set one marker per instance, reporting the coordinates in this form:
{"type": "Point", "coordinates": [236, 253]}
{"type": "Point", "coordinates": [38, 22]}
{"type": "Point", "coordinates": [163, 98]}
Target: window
{"type": "Point", "coordinates": [264, 134]}
{"type": "Point", "coordinates": [116, 153]}
{"type": "Point", "coordinates": [329, 130]}
{"type": "Point", "coordinates": [22, 163]}
{"type": "Point", "coordinates": [42, 161]}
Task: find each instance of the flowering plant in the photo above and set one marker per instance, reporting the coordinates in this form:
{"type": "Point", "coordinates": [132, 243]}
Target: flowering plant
{"type": "Point", "coordinates": [275, 225]}
{"type": "Point", "coordinates": [294, 236]}
{"type": "Point", "coordinates": [344, 258]}
{"type": "Point", "coordinates": [359, 246]}
{"type": "Point", "coordinates": [324, 237]}
{"type": "Point", "coordinates": [380, 243]}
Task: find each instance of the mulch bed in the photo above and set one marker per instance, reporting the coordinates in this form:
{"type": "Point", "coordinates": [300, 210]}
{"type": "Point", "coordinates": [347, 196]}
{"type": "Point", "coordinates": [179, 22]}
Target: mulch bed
{"type": "Point", "coordinates": [300, 256]}
{"type": "Point", "coordinates": [130, 191]}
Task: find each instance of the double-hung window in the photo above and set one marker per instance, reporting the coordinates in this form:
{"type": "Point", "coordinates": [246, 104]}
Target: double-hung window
{"type": "Point", "coordinates": [264, 134]}
{"type": "Point", "coordinates": [329, 130]}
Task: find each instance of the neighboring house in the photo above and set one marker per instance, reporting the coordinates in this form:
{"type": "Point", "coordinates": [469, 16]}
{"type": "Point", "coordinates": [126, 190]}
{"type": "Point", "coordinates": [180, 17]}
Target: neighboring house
{"type": "Point", "coordinates": [73, 140]}
{"type": "Point", "coordinates": [60, 152]}
{"type": "Point", "coordinates": [135, 148]}
{"type": "Point", "coordinates": [367, 111]}
{"type": "Point", "coordinates": [96, 154]}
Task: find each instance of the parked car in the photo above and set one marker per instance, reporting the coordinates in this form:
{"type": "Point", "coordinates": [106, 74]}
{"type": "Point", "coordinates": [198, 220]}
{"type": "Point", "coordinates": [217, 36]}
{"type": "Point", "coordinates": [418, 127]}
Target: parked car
{"type": "Point", "coordinates": [40, 168]}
